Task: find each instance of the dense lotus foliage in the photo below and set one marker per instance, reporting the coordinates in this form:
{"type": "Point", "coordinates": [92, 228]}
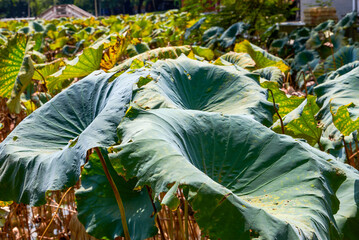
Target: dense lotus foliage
{"type": "Point", "coordinates": [262, 145]}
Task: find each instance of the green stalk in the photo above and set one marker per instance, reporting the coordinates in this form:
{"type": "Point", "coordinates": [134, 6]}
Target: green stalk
{"type": "Point", "coordinates": [117, 194]}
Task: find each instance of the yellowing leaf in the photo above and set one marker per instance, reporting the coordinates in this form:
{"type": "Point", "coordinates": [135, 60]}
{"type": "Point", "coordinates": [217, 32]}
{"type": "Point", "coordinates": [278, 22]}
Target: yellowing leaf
{"type": "Point", "coordinates": [22, 81]}
{"type": "Point", "coordinates": [301, 122]}
{"type": "Point", "coordinates": [342, 120]}
{"type": "Point", "coordinates": [46, 69]}
{"type": "Point", "coordinates": [11, 57]}
{"type": "Point", "coordinates": [113, 52]}
{"type": "Point", "coordinates": [262, 58]}
{"type": "Point", "coordinates": [84, 64]}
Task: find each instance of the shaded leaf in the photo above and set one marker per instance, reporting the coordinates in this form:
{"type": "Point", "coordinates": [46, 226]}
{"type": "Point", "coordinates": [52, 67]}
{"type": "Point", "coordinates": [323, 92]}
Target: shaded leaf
{"type": "Point", "coordinates": [195, 26]}
{"type": "Point", "coordinates": [229, 36]}
{"type": "Point", "coordinates": [98, 210]}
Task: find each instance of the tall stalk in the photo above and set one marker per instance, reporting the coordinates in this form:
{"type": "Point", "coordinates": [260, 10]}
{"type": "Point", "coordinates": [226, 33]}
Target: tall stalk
{"type": "Point", "coordinates": [117, 194]}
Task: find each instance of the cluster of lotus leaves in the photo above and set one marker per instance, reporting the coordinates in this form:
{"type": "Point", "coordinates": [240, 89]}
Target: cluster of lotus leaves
{"type": "Point", "coordinates": [182, 124]}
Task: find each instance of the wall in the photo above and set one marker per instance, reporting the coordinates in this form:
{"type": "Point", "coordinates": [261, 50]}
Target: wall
{"type": "Point", "coordinates": [342, 6]}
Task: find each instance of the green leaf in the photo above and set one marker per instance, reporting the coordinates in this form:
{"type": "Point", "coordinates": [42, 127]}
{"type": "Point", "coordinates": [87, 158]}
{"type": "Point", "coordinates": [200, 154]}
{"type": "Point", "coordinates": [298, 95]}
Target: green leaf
{"type": "Point", "coordinates": [139, 48]}
{"type": "Point", "coordinates": [22, 81]}
{"type": "Point", "coordinates": [45, 158]}
{"type": "Point", "coordinates": [271, 74]}
{"type": "Point", "coordinates": [211, 35]}
{"type": "Point", "coordinates": [342, 57]}
{"type": "Point", "coordinates": [207, 53]}
{"type": "Point", "coordinates": [335, 93]}
{"type": "Point", "coordinates": [242, 60]}
{"type": "Point", "coordinates": [240, 176]}
{"type": "Point", "coordinates": [229, 36]}
{"type": "Point", "coordinates": [346, 22]}
{"type": "Point", "coordinates": [195, 26]}
{"type": "Point", "coordinates": [342, 120]}
{"type": "Point", "coordinates": [4, 213]}
{"type": "Point", "coordinates": [84, 64]}
{"type": "Point", "coordinates": [60, 42]}
{"type": "Point", "coordinates": [286, 104]}
{"type": "Point", "coordinates": [153, 55]}
{"type": "Point", "coordinates": [46, 69]}
{"type": "Point", "coordinates": [261, 58]}
{"type": "Point", "coordinates": [11, 58]}
{"type": "Point", "coordinates": [98, 210]}
{"type": "Point", "coordinates": [305, 58]}
{"type": "Point", "coordinates": [342, 70]}
{"type": "Point", "coordinates": [191, 84]}
{"type": "Point", "coordinates": [301, 122]}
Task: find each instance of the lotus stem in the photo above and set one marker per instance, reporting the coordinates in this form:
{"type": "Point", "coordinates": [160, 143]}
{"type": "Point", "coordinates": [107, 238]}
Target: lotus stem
{"type": "Point", "coordinates": [170, 225]}
{"type": "Point", "coordinates": [117, 194]}
{"type": "Point", "coordinates": [156, 213]}
{"type": "Point", "coordinates": [57, 210]}
{"type": "Point", "coordinates": [179, 217]}
{"type": "Point", "coordinates": [331, 48]}
{"type": "Point", "coordinates": [311, 72]}
{"type": "Point", "coordinates": [276, 111]}
{"type": "Point", "coordinates": [185, 218]}
{"type": "Point", "coordinates": [347, 153]}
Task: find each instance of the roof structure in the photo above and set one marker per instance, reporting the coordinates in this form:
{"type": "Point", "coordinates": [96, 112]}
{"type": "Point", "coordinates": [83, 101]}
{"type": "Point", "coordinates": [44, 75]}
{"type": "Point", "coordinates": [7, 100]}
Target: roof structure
{"type": "Point", "coordinates": [64, 10]}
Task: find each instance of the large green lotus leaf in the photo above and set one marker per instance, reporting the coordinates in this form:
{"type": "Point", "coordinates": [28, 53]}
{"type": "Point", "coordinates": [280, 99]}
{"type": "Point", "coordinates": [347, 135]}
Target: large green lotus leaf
{"type": "Point", "coordinates": [229, 36]}
{"type": "Point", "coordinates": [23, 79]}
{"type": "Point", "coordinates": [242, 60]}
{"type": "Point", "coordinates": [84, 64]}
{"type": "Point", "coordinates": [241, 177]}
{"type": "Point", "coordinates": [261, 57]}
{"type": "Point", "coordinates": [271, 74]}
{"type": "Point", "coordinates": [347, 217]}
{"type": "Point", "coordinates": [154, 55]}
{"type": "Point", "coordinates": [98, 210]}
{"type": "Point", "coordinates": [337, 92]}
{"type": "Point", "coordinates": [11, 58]}
{"type": "Point", "coordinates": [301, 122]}
{"type": "Point", "coordinates": [46, 150]}
{"type": "Point", "coordinates": [191, 84]}
{"type": "Point", "coordinates": [286, 103]}
{"type": "Point", "coordinates": [342, 57]}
